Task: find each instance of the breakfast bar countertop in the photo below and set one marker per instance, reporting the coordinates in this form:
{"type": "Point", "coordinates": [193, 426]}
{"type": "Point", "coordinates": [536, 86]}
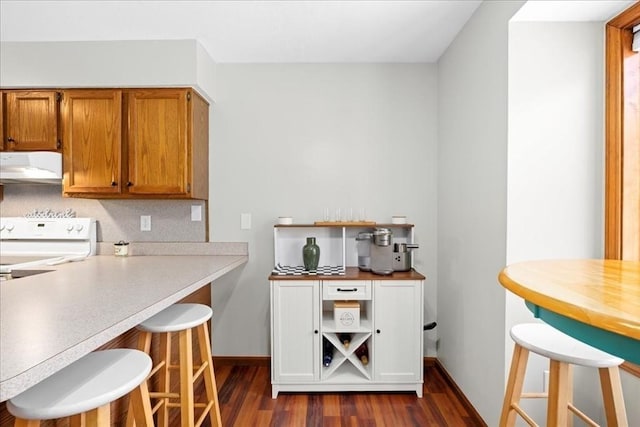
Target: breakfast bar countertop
{"type": "Point", "coordinates": [48, 321]}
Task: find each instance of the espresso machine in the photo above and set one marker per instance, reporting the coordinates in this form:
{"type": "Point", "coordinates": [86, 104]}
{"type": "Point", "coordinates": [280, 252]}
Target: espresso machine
{"type": "Point", "coordinates": [377, 254]}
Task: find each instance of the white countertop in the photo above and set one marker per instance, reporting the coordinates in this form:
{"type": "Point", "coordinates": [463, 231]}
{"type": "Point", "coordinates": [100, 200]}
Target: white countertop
{"type": "Point", "coordinates": [50, 320]}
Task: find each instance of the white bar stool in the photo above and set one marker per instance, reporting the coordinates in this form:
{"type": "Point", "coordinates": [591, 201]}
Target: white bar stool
{"type": "Point", "coordinates": [183, 319]}
{"type": "Point", "coordinates": [85, 389]}
{"type": "Point", "coordinates": [562, 351]}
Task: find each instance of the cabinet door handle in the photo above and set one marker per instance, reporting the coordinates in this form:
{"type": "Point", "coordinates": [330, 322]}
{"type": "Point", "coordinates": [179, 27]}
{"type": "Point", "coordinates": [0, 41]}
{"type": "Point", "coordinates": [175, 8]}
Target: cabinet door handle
{"type": "Point", "coordinates": [315, 332]}
{"type": "Point", "coordinates": [347, 289]}
{"type": "Point", "coordinates": [9, 139]}
{"type": "Point", "coordinates": [113, 183]}
{"type": "Point", "coordinates": [129, 184]}
{"type": "Point", "coordinates": [377, 331]}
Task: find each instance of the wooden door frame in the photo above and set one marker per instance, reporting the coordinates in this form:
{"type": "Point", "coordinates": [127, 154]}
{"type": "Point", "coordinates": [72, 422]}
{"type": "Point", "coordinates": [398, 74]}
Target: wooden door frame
{"type": "Point", "coordinates": [618, 44]}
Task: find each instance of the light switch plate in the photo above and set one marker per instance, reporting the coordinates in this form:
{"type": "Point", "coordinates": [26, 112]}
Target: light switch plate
{"type": "Point", "coordinates": [145, 222]}
{"type": "Point", "coordinates": [245, 221]}
{"type": "Point", "coordinates": [196, 213]}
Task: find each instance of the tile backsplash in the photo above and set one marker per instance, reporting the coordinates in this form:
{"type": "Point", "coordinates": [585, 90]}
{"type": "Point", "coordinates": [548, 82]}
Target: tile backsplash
{"type": "Point", "coordinates": [117, 219]}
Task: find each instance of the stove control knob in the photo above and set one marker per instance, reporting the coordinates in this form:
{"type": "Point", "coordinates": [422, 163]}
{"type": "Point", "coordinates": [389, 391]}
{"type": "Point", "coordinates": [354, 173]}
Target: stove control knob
{"type": "Point", "coordinates": [69, 227]}
{"type": "Point", "coordinates": [9, 227]}
{"type": "Point", "coordinates": [1, 227]}
{"type": "Point", "coordinates": [79, 227]}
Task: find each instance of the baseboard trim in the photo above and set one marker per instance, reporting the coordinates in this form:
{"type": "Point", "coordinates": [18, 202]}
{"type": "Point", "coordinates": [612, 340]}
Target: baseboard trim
{"type": "Point", "coordinates": [473, 414]}
{"type": "Point", "coordinates": [241, 360]}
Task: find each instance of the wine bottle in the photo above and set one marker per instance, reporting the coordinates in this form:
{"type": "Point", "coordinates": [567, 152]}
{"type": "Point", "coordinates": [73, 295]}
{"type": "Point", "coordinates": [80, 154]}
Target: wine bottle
{"type": "Point", "coordinates": [363, 353]}
{"type": "Point", "coordinates": [327, 352]}
{"type": "Point", "coordinates": [345, 339]}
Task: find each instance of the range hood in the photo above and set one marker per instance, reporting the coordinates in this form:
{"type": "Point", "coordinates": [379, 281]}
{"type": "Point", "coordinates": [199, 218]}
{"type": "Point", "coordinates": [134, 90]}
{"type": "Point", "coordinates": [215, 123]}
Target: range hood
{"type": "Point", "coordinates": [42, 167]}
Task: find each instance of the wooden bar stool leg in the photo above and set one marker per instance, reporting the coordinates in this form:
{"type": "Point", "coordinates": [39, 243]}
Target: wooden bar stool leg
{"type": "Point", "coordinates": [186, 379]}
{"type": "Point", "coordinates": [557, 410]}
{"type": "Point", "coordinates": [144, 344]}
{"type": "Point", "coordinates": [99, 417]}
{"type": "Point", "coordinates": [569, 394]}
{"type": "Point", "coordinates": [164, 378]}
{"type": "Point", "coordinates": [209, 375]}
{"type": "Point", "coordinates": [141, 405]}
{"type": "Point", "coordinates": [514, 385]}
{"type": "Point", "coordinates": [612, 395]}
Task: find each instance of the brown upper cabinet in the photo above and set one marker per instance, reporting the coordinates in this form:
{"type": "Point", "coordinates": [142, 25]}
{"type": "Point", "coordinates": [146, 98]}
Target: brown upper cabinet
{"type": "Point", "coordinates": [135, 143]}
{"type": "Point", "coordinates": [31, 121]}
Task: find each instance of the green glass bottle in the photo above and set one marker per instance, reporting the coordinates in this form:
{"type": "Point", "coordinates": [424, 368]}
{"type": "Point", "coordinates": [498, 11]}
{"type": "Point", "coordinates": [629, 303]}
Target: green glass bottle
{"type": "Point", "coordinates": [311, 254]}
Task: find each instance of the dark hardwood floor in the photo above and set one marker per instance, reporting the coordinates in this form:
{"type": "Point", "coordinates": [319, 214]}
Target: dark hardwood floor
{"type": "Point", "coordinates": [245, 401]}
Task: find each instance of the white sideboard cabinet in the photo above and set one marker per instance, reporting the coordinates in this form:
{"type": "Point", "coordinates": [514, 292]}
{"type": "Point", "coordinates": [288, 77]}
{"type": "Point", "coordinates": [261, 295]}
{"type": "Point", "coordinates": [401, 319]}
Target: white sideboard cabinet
{"type": "Point", "coordinates": [390, 324]}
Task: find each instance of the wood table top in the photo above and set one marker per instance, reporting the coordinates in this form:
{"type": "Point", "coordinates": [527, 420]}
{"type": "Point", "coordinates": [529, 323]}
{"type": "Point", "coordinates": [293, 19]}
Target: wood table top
{"type": "Point", "coordinates": [601, 293]}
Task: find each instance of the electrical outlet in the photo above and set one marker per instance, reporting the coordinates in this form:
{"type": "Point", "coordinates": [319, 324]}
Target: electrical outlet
{"type": "Point", "coordinates": [245, 221]}
{"type": "Point", "coordinates": [145, 222]}
{"type": "Point", "coordinates": [196, 213]}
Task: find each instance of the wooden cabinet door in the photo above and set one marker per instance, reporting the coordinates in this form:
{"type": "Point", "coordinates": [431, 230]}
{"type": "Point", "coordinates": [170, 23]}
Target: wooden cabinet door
{"type": "Point", "coordinates": [295, 331]}
{"type": "Point", "coordinates": [158, 141]}
{"type": "Point", "coordinates": [92, 130]}
{"type": "Point", "coordinates": [397, 345]}
{"type": "Point", "coordinates": [32, 121]}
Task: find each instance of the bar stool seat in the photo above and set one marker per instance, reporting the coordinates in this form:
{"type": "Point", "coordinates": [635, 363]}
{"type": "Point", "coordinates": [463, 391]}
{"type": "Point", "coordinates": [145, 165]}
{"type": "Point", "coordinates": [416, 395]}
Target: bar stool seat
{"type": "Point", "coordinates": [562, 351]}
{"type": "Point", "coordinates": [182, 319]}
{"type": "Point", "coordinates": [91, 382]}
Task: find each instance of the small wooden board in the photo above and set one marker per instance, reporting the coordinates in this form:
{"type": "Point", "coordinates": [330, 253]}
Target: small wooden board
{"type": "Point", "coordinates": [346, 223]}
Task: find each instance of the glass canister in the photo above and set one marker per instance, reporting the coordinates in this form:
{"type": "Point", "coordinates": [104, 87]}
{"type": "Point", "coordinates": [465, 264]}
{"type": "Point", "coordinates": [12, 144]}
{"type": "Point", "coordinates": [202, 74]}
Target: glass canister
{"type": "Point", "coordinates": [364, 250]}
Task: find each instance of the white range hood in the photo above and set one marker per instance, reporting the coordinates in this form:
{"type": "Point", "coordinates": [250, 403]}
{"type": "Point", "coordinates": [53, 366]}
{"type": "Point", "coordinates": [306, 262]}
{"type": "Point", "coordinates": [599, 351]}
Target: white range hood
{"type": "Point", "coordinates": [42, 167]}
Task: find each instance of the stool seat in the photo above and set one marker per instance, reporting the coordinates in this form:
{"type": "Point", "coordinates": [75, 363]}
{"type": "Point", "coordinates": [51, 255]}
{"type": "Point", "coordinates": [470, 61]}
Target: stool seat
{"type": "Point", "coordinates": [547, 341]}
{"type": "Point", "coordinates": [93, 381]}
{"type": "Point", "coordinates": [176, 318]}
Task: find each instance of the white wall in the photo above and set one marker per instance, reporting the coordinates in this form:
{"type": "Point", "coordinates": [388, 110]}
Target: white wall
{"type": "Point", "coordinates": [472, 184]}
{"type": "Point", "coordinates": [132, 63]}
{"type": "Point", "coordinates": [293, 139]}
{"type": "Point", "coordinates": [556, 169]}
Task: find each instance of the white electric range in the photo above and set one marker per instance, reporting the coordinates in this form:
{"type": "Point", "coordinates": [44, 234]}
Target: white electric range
{"type": "Point", "coordinates": [27, 243]}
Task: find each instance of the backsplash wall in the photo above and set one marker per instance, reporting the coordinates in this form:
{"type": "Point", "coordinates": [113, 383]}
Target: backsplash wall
{"type": "Point", "coordinates": [117, 219]}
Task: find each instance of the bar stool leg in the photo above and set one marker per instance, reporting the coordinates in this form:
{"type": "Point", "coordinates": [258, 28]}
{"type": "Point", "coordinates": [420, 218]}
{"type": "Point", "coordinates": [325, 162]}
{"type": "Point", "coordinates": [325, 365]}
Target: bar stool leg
{"type": "Point", "coordinates": [99, 417]}
{"type": "Point", "coordinates": [186, 379]}
{"type": "Point", "coordinates": [164, 378]}
{"type": "Point", "coordinates": [209, 375]}
{"type": "Point", "coordinates": [557, 412]}
{"type": "Point", "coordinates": [514, 385]}
{"type": "Point", "coordinates": [141, 404]}
{"type": "Point", "coordinates": [144, 344]}
{"type": "Point", "coordinates": [612, 395]}
{"type": "Point", "coordinates": [569, 394]}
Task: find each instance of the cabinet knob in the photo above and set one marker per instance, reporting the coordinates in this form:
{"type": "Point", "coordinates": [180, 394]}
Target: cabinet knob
{"type": "Point", "coordinates": [315, 332]}
{"type": "Point", "coordinates": [9, 139]}
{"type": "Point", "coordinates": [113, 183]}
{"type": "Point", "coordinates": [129, 184]}
{"type": "Point", "coordinates": [377, 331]}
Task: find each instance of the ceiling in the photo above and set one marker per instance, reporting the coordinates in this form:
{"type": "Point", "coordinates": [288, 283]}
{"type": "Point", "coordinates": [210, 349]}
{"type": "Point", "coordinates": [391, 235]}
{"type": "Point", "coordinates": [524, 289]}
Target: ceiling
{"type": "Point", "coordinates": [272, 31]}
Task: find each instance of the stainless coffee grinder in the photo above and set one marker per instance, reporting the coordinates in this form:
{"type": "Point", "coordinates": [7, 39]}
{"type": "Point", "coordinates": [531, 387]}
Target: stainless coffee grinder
{"type": "Point", "coordinates": [381, 252]}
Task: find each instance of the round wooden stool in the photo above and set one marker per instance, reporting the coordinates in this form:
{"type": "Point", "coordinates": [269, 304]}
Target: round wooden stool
{"type": "Point", "coordinates": [85, 389]}
{"type": "Point", "coordinates": [562, 351]}
{"type": "Point", "coordinates": [181, 319]}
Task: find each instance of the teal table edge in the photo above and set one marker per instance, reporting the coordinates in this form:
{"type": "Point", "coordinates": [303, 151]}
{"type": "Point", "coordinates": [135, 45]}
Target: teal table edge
{"type": "Point", "coordinates": [616, 344]}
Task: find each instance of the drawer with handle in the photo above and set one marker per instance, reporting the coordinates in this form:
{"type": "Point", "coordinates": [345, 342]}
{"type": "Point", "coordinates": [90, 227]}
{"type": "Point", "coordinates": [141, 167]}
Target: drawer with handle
{"type": "Point", "coordinates": [346, 290]}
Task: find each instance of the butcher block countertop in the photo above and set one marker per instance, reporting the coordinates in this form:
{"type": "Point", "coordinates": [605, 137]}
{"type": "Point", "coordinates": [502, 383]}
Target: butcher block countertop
{"type": "Point", "coordinates": [48, 321]}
